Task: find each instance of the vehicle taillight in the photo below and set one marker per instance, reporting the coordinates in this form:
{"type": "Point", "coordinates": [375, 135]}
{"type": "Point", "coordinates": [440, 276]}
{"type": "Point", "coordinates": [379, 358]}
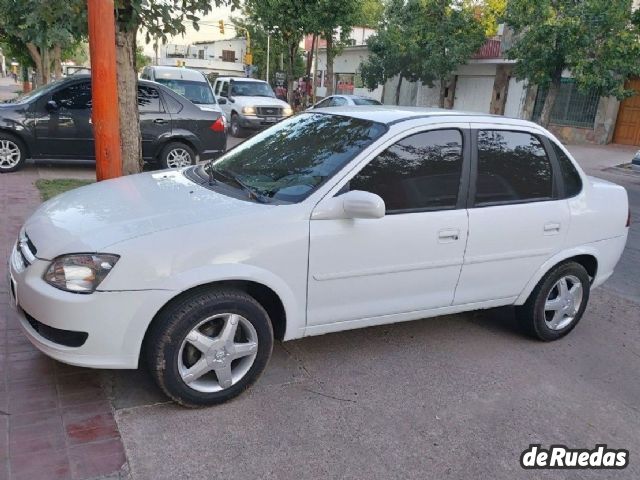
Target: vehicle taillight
{"type": "Point", "coordinates": [629, 218]}
{"type": "Point", "coordinates": [219, 125]}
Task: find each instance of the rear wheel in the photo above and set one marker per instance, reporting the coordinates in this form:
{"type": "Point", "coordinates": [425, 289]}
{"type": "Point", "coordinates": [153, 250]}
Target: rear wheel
{"type": "Point", "coordinates": [177, 155]}
{"type": "Point", "coordinates": [557, 303]}
{"type": "Point", "coordinates": [12, 153]}
{"type": "Point", "coordinates": [209, 346]}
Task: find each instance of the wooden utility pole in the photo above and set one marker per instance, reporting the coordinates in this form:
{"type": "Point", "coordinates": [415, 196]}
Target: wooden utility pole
{"type": "Point", "coordinates": [104, 90]}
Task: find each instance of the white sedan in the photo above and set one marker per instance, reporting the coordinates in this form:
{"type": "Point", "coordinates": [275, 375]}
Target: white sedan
{"type": "Point", "coordinates": [330, 220]}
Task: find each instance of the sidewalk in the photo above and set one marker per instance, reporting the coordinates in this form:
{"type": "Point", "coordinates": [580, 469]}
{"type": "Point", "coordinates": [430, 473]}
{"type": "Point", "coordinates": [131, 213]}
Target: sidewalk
{"type": "Point", "coordinates": [56, 421]}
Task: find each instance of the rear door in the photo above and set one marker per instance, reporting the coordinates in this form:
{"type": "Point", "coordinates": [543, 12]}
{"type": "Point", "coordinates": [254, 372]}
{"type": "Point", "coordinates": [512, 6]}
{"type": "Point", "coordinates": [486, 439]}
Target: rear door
{"type": "Point", "coordinates": [155, 120]}
{"type": "Point", "coordinates": [517, 219]}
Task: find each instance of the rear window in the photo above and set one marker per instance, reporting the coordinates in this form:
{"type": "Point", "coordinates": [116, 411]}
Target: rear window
{"type": "Point", "coordinates": [197, 92]}
{"type": "Point", "coordinates": [366, 101]}
{"type": "Point", "coordinates": [570, 176]}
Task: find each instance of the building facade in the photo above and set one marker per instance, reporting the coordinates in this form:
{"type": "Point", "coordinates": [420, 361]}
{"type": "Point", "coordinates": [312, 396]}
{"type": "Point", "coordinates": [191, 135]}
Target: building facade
{"type": "Point", "coordinates": [222, 57]}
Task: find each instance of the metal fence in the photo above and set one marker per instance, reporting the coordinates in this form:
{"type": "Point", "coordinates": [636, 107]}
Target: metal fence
{"type": "Point", "coordinates": [573, 107]}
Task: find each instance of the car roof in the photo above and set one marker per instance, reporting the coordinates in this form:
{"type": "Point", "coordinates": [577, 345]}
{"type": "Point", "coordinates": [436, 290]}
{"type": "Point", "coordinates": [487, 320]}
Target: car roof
{"type": "Point", "coordinates": [175, 73]}
{"type": "Point", "coordinates": [391, 114]}
{"type": "Point", "coordinates": [241, 79]}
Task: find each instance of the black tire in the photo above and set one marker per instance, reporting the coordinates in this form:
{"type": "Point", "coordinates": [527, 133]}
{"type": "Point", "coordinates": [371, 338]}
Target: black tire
{"type": "Point", "coordinates": [235, 129]}
{"type": "Point", "coordinates": [173, 148]}
{"type": "Point", "coordinates": [170, 329]}
{"type": "Point", "coordinates": [7, 137]}
{"type": "Point", "coordinates": [532, 315]}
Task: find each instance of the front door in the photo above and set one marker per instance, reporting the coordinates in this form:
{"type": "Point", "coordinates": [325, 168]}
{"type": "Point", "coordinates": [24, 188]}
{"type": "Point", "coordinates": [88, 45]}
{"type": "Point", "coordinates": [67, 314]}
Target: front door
{"type": "Point", "coordinates": [64, 129]}
{"type": "Point", "coordinates": [516, 221]}
{"type": "Point", "coordinates": [628, 123]}
{"type": "Point", "coordinates": [155, 121]}
{"type": "Point", "coordinates": [410, 259]}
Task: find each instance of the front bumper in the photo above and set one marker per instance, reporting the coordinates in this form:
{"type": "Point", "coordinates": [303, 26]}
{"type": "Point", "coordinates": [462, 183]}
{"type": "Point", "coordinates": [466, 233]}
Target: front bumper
{"type": "Point", "coordinates": [255, 123]}
{"type": "Point", "coordinates": [115, 321]}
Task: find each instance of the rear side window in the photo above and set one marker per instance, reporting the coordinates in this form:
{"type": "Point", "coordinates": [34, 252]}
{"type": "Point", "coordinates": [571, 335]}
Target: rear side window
{"type": "Point", "coordinates": [570, 176]}
{"type": "Point", "coordinates": [74, 97]}
{"type": "Point", "coordinates": [149, 99]}
{"type": "Point", "coordinates": [420, 172]}
{"type": "Point", "coordinates": [513, 167]}
{"type": "Point", "coordinates": [173, 105]}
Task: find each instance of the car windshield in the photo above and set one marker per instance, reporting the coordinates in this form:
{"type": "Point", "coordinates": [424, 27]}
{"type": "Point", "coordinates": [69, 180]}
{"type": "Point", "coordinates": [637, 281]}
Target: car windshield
{"type": "Point", "coordinates": [366, 101]}
{"type": "Point", "coordinates": [197, 92]}
{"type": "Point", "coordinates": [251, 89]}
{"type": "Point", "coordinates": [36, 93]}
{"type": "Point", "coordinates": [290, 160]}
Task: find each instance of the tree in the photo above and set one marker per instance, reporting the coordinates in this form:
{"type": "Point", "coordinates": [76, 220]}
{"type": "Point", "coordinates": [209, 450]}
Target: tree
{"type": "Point", "coordinates": [489, 12]}
{"type": "Point", "coordinates": [159, 19]}
{"type": "Point", "coordinates": [370, 14]}
{"type": "Point", "coordinates": [44, 29]}
{"type": "Point", "coordinates": [422, 40]}
{"type": "Point", "coordinates": [331, 18]}
{"type": "Point", "coordinates": [290, 20]}
{"type": "Point", "coordinates": [596, 40]}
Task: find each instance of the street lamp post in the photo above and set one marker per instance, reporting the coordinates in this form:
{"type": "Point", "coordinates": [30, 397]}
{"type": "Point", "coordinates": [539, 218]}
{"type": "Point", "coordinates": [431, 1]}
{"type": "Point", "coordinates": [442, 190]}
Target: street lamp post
{"type": "Point", "coordinates": [104, 89]}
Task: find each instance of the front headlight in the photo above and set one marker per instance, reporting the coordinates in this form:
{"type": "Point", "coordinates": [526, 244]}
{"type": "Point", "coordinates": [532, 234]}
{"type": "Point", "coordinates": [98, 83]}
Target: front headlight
{"type": "Point", "coordinates": [249, 110]}
{"type": "Point", "coordinates": [287, 111]}
{"type": "Point", "coordinates": [80, 273]}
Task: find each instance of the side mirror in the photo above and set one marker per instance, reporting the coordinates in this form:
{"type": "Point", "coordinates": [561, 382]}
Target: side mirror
{"type": "Point", "coordinates": [52, 106]}
{"type": "Point", "coordinates": [351, 205]}
{"type": "Point", "coordinates": [222, 101]}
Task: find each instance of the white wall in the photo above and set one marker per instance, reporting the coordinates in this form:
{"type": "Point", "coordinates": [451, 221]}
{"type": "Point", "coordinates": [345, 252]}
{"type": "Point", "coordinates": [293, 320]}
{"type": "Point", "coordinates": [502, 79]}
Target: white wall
{"type": "Point", "coordinates": [516, 96]}
{"type": "Point", "coordinates": [212, 52]}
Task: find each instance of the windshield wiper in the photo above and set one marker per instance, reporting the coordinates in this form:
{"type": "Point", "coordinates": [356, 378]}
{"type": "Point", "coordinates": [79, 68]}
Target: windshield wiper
{"type": "Point", "coordinates": [253, 194]}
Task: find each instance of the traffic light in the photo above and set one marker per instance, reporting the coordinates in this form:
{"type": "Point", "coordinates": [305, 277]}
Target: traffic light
{"type": "Point", "coordinates": [221, 26]}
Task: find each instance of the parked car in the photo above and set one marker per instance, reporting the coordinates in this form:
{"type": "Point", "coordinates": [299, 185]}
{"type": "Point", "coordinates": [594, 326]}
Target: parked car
{"type": "Point", "coordinates": [249, 104]}
{"type": "Point", "coordinates": [344, 100]}
{"type": "Point", "coordinates": [54, 123]}
{"type": "Point", "coordinates": [191, 84]}
{"type": "Point", "coordinates": [328, 221]}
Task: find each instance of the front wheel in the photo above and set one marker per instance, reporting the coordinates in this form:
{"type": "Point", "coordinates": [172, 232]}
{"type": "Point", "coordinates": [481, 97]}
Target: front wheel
{"type": "Point", "coordinates": [12, 153]}
{"type": "Point", "coordinates": [209, 346]}
{"type": "Point", "coordinates": [557, 303]}
{"type": "Point", "coordinates": [236, 130]}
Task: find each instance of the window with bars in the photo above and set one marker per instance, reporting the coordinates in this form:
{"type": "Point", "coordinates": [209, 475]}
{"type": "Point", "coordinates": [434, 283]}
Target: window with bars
{"type": "Point", "coordinates": [573, 107]}
{"type": "Point", "coordinates": [228, 56]}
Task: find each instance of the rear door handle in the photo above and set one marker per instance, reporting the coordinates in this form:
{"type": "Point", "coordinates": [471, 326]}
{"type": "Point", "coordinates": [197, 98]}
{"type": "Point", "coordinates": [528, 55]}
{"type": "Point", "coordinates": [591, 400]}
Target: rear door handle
{"type": "Point", "coordinates": [160, 121]}
{"type": "Point", "coordinates": [552, 228]}
{"type": "Point", "coordinates": [448, 235]}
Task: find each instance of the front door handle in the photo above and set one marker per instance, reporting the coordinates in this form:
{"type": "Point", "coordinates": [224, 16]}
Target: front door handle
{"type": "Point", "coordinates": [552, 228]}
{"type": "Point", "coordinates": [448, 235]}
{"type": "Point", "coordinates": [160, 121]}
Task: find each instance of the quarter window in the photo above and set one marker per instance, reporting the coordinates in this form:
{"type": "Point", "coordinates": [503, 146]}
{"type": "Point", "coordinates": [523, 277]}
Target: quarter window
{"type": "Point", "coordinates": [419, 172]}
{"type": "Point", "coordinates": [74, 97]}
{"type": "Point", "coordinates": [513, 167]}
{"type": "Point", "coordinates": [570, 176]}
{"type": "Point", "coordinates": [149, 99]}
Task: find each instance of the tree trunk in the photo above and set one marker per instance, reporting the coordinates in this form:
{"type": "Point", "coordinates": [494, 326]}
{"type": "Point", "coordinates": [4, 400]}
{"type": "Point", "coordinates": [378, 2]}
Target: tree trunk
{"type": "Point", "coordinates": [398, 90]}
{"type": "Point", "coordinates": [37, 60]}
{"type": "Point", "coordinates": [293, 51]}
{"type": "Point", "coordinates": [330, 55]}
{"type": "Point", "coordinates": [310, 56]}
{"type": "Point", "coordinates": [550, 101]}
{"type": "Point", "coordinates": [46, 65]}
{"type": "Point", "coordinates": [57, 61]}
{"type": "Point", "coordinates": [443, 92]}
{"type": "Point", "coordinates": [128, 100]}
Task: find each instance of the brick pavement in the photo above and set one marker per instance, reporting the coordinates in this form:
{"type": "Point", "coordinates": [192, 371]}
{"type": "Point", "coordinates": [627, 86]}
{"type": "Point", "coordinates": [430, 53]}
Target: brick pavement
{"type": "Point", "coordinates": [56, 421]}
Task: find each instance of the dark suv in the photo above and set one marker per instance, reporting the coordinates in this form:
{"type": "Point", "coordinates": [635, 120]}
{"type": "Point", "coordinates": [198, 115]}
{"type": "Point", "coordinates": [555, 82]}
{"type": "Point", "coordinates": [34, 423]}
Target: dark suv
{"type": "Point", "coordinates": [54, 122]}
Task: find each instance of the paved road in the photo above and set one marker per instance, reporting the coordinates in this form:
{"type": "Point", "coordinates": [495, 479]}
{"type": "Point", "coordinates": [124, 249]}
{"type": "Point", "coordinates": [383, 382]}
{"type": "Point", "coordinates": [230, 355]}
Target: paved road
{"type": "Point", "coordinates": [451, 397]}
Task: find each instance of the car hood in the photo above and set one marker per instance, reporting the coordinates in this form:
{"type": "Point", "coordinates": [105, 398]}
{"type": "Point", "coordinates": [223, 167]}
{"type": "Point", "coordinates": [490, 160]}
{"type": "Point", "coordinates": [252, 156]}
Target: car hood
{"type": "Point", "coordinates": [260, 101]}
{"type": "Point", "coordinates": [91, 218]}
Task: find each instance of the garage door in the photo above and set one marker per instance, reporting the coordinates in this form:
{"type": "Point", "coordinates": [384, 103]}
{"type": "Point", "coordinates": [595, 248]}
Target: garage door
{"type": "Point", "coordinates": [628, 122]}
{"type": "Point", "coordinates": [473, 93]}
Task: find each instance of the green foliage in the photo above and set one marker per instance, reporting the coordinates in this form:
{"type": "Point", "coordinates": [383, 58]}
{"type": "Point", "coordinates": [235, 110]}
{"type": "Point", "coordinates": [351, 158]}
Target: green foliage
{"type": "Point", "coordinates": [370, 14]}
{"type": "Point", "coordinates": [489, 13]}
{"type": "Point", "coordinates": [421, 40]}
{"type": "Point", "coordinates": [597, 40]}
{"type": "Point", "coordinates": [142, 60]}
{"type": "Point", "coordinates": [51, 188]}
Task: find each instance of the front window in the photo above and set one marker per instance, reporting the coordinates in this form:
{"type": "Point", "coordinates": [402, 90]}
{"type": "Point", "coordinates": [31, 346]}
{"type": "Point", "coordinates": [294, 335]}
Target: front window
{"type": "Point", "coordinates": [251, 89]}
{"type": "Point", "coordinates": [290, 160]}
{"type": "Point", "coordinates": [197, 92]}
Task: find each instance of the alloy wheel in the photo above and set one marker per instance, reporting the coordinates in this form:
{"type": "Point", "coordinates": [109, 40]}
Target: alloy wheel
{"type": "Point", "coordinates": [178, 157]}
{"type": "Point", "coordinates": [10, 154]}
{"type": "Point", "coordinates": [218, 352]}
{"type": "Point", "coordinates": [563, 302]}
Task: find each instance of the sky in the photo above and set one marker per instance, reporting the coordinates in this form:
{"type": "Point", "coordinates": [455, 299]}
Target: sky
{"type": "Point", "coordinates": [206, 32]}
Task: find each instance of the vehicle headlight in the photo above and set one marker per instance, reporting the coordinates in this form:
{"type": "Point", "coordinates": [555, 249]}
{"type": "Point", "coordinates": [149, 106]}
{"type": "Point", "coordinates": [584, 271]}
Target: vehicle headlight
{"type": "Point", "coordinates": [286, 111]}
{"type": "Point", "coordinates": [80, 273]}
{"type": "Point", "coordinates": [249, 110]}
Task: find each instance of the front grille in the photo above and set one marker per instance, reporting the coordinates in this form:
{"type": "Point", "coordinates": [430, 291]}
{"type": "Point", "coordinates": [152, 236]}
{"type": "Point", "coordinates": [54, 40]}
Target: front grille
{"type": "Point", "coordinates": [68, 338]}
{"type": "Point", "coordinates": [269, 111]}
